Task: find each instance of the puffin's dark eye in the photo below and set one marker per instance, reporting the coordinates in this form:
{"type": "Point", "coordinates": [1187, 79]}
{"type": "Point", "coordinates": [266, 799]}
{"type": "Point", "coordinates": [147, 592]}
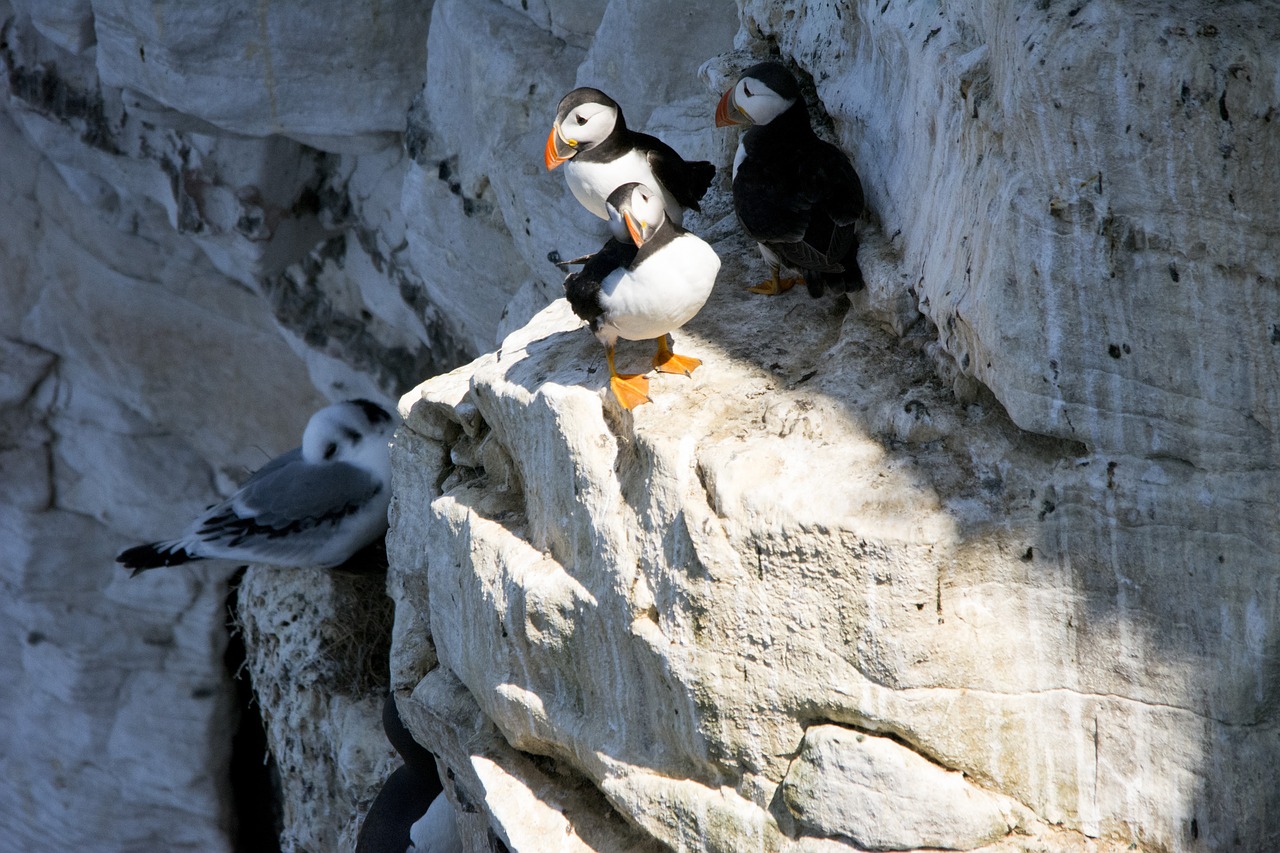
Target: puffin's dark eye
{"type": "Point", "coordinates": [746, 90]}
{"type": "Point", "coordinates": [329, 450]}
{"type": "Point", "coordinates": [581, 120]}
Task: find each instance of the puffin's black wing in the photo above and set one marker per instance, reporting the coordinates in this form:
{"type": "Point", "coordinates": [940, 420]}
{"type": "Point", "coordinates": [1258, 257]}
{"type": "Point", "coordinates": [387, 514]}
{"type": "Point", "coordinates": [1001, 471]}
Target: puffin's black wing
{"type": "Point", "coordinates": [823, 248]}
{"type": "Point", "coordinates": [687, 180]}
{"type": "Point", "coordinates": [804, 208]}
{"type": "Point", "coordinates": [834, 185]}
{"type": "Point", "coordinates": [582, 288]}
{"type": "Point", "coordinates": [405, 796]}
{"type": "Point", "coordinates": [772, 201]}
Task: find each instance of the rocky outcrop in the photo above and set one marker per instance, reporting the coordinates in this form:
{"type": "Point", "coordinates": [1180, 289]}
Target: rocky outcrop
{"type": "Point", "coordinates": [980, 559]}
{"type": "Point", "coordinates": [884, 796]}
{"type": "Point", "coordinates": [1029, 541]}
{"type": "Point", "coordinates": [316, 651]}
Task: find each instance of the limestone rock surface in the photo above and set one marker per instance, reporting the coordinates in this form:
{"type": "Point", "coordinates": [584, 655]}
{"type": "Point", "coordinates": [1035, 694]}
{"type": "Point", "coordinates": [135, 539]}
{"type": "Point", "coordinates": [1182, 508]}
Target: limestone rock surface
{"type": "Point", "coordinates": [1009, 515]}
{"type": "Point", "coordinates": [666, 601]}
{"type": "Point", "coordinates": [124, 413]}
{"type": "Point", "coordinates": [336, 75]}
{"type": "Point", "coordinates": [884, 796]}
{"type": "Point", "coordinates": [1093, 177]}
{"type": "Point", "coordinates": [317, 645]}
{"type": "Point", "coordinates": [145, 375]}
{"type": "Point", "coordinates": [825, 527]}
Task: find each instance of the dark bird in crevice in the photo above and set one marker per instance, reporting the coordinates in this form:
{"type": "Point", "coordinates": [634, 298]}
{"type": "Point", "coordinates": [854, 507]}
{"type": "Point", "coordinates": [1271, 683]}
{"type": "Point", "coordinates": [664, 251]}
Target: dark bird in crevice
{"type": "Point", "coordinates": [797, 196]}
{"type": "Point", "coordinates": [411, 814]}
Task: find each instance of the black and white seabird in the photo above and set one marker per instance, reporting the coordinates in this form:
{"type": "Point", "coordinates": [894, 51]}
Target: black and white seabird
{"type": "Point", "coordinates": [651, 278]}
{"type": "Point", "coordinates": [590, 136]}
{"type": "Point", "coordinates": [795, 195]}
{"type": "Point", "coordinates": [411, 813]}
{"type": "Point", "coordinates": [316, 505]}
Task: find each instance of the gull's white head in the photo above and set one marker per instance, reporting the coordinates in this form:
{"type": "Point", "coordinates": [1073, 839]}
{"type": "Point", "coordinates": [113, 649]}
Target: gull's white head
{"type": "Point", "coordinates": [354, 431]}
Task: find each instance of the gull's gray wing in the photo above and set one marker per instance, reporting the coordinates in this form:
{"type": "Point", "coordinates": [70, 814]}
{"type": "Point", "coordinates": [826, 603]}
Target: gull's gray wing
{"type": "Point", "coordinates": [283, 460]}
{"type": "Point", "coordinates": [288, 497]}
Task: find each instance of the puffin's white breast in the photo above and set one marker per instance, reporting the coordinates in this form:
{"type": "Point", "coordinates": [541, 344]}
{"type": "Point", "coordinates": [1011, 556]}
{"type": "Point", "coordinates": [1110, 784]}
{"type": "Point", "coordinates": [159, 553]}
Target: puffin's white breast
{"type": "Point", "coordinates": [591, 183]}
{"type": "Point", "coordinates": [738, 157]}
{"type": "Point", "coordinates": [662, 294]}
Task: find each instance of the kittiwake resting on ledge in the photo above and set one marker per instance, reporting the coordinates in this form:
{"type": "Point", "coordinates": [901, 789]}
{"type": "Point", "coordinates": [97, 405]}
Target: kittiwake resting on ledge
{"type": "Point", "coordinates": [316, 505]}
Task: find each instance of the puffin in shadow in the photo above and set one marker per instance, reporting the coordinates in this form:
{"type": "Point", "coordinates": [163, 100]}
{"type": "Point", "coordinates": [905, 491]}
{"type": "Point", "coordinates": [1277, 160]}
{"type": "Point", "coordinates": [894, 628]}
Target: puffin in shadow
{"type": "Point", "coordinates": [649, 279]}
{"type": "Point", "coordinates": [797, 196]}
{"type": "Point", "coordinates": [600, 153]}
{"type": "Point", "coordinates": [411, 814]}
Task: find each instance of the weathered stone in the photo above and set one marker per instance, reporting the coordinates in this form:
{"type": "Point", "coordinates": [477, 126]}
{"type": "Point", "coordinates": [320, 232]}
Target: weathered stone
{"type": "Point", "coordinates": [482, 230]}
{"type": "Point", "coordinates": [607, 585]}
{"type": "Point", "coordinates": [66, 23]}
{"type": "Point", "coordinates": [317, 644]}
{"type": "Point", "coordinates": [622, 56]}
{"type": "Point", "coordinates": [138, 384]}
{"type": "Point", "coordinates": [250, 204]}
{"type": "Point", "coordinates": [882, 796]}
{"type": "Point", "coordinates": [574, 21]}
{"type": "Point", "coordinates": [528, 802]}
{"type": "Point", "coordinates": [332, 77]}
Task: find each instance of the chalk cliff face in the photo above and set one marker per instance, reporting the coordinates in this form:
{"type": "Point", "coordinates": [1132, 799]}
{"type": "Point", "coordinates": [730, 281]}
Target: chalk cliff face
{"type": "Point", "coordinates": [982, 557]}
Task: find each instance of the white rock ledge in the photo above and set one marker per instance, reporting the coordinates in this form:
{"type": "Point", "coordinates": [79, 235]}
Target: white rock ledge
{"type": "Point", "coordinates": [812, 527]}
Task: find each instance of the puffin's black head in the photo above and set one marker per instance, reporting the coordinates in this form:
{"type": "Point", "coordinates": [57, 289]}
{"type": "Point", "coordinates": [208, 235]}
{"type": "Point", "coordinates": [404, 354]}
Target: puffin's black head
{"type": "Point", "coordinates": [763, 92]}
{"type": "Point", "coordinates": [581, 96]}
{"type": "Point", "coordinates": [776, 76]}
{"type": "Point", "coordinates": [585, 118]}
{"type": "Point", "coordinates": [635, 211]}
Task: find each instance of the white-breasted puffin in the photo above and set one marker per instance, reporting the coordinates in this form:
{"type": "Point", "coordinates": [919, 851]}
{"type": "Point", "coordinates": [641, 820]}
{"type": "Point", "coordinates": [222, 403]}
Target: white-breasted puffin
{"type": "Point", "coordinates": [316, 505]}
{"type": "Point", "coordinates": [797, 196]}
{"type": "Point", "coordinates": [590, 136]}
{"type": "Point", "coordinates": [651, 278]}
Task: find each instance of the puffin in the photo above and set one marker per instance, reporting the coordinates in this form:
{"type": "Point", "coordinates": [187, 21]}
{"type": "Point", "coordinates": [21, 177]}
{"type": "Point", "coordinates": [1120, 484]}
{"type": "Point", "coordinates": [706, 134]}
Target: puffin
{"type": "Point", "coordinates": [600, 153]}
{"type": "Point", "coordinates": [649, 279]}
{"type": "Point", "coordinates": [411, 812]}
{"type": "Point", "coordinates": [316, 505]}
{"type": "Point", "coordinates": [797, 196]}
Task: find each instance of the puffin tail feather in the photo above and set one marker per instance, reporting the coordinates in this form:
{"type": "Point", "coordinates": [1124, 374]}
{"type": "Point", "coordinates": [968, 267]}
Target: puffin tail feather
{"type": "Point", "coordinates": [701, 174]}
{"type": "Point", "coordinates": [848, 280]}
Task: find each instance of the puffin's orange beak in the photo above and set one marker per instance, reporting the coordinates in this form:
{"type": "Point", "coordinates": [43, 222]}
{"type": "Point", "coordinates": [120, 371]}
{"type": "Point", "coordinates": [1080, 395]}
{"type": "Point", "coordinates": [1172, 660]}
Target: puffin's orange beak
{"type": "Point", "coordinates": [726, 110]}
{"type": "Point", "coordinates": [636, 236]}
{"type": "Point", "coordinates": [556, 151]}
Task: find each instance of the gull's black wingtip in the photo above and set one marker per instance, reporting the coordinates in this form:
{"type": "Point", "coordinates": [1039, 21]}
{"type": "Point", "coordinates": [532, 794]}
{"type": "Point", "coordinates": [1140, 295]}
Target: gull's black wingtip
{"type": "Point", "coordinates": [153, 555]}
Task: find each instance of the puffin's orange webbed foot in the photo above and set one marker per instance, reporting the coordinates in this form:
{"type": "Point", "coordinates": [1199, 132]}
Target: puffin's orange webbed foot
{"type": "Point", "coordinates": [631, 389]}
{"type": "Point", "coordinates": [666, 361]}
{"type": "Point", "coordinates": [776, 285]}
{"type": "Point", "coordinates": [673, 363]}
